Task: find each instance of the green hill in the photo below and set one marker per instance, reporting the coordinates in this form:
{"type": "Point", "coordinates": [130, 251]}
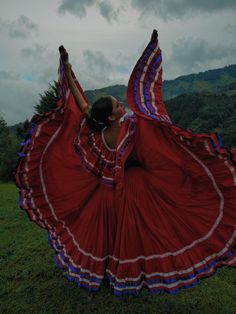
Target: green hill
{"type": "Point", "coordinates": [205, 113]}
{"type": "Point", "coordinates": [212, 81]}
{"type": "Point", "coordinates": [118, 91]}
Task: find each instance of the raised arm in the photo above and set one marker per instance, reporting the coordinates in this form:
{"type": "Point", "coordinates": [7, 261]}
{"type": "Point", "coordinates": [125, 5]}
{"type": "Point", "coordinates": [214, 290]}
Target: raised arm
{"type": "Point", "coordinates": [79, 98]}
{"type": "Point", "coordinates": [75, 91]}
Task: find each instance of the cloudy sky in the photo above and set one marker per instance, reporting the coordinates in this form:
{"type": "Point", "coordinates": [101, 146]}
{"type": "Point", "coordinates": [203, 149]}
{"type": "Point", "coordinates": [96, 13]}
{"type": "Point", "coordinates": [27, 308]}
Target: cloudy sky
{"type": "Point", "coordinates": [104, 39]}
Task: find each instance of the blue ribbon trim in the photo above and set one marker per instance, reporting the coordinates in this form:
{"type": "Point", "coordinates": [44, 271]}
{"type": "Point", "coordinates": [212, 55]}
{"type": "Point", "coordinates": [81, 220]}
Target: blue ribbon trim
{"type": "Point", "coordinates": [170, 281]}
{"type": "Point", "coordinates": [129, 138]}
{"type": "Point", "coordinates": [136, 88]}
{"type": "Point", "coordinates": [58, 249]}
{"type": "Point", "coordinates": [220, 140]}
{"type": "Point", "coordinates": [148, 83]}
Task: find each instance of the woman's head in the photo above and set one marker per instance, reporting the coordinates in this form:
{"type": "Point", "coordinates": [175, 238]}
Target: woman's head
{"type": "Point", "coordinates": [104, 112]}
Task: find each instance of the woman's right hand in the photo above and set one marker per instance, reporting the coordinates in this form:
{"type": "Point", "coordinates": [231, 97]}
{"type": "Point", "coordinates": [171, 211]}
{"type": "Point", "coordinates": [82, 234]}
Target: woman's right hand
{"type": "Point", "coordinates": [78, 96]}
{"type": "Point", "coordinates": [64, 54]}
{"type": "Point", "coordinates": [65, 60]}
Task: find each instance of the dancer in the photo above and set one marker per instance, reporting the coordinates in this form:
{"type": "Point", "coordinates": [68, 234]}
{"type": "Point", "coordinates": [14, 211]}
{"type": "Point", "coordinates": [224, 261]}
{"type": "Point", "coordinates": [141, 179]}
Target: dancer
{"type": "Point", "coordinates": [143, 203]}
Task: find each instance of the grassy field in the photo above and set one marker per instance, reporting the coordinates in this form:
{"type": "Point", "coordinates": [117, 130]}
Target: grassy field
{"type": "Point", "coordinates": [31, 282]}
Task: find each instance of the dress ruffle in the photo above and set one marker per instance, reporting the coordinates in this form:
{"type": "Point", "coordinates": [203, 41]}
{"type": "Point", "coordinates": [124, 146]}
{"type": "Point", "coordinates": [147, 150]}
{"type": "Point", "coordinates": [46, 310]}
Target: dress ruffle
{"type": "Point", "coordinates": [176, 221]}
{"type": "Point", "coordinates": [61, 196]}
{"type": "Point", "coordinates": [94, 153]}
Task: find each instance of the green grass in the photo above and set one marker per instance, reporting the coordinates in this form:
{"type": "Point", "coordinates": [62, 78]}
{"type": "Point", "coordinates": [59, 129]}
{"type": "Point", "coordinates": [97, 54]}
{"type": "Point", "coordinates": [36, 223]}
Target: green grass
{"type": "Point", "coordinates": [32, 283]}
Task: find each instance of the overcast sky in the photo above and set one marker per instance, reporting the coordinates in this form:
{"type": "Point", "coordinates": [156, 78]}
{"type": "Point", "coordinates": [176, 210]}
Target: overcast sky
{"type": "Point", "coordinates": [104, 40]}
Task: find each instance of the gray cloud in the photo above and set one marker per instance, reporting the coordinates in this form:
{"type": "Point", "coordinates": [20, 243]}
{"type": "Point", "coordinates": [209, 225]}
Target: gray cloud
{"type": "Point", "coordinates": [35, 52]}
{"type": "Point", "coordinates": [170, 9]}
{"type": "Point", "coordinates": [108, 12]}
{"type": "Point", "coordinates": [75, 7]}
{"type": "Point", "coordinates": [10, 76]}
{"type": "Point", "coordinates": [43, 63]}
{"type": "Point", "coordinates": [17, 97]}
{"type": "Point", "coordinates": [79, 8]}
{"type": "Point", "coordinates": [20, 90]}
{"type": "Point", "coordinates": [98, 69]}
{"type": "Point", "coordinates": [230, 29]}
{"type": "Point", "coordinates": [193, 55]}
{"type": "Point", "coordinates": [19, 94]}
{"type": "Point", "coordinates": [20, 28]}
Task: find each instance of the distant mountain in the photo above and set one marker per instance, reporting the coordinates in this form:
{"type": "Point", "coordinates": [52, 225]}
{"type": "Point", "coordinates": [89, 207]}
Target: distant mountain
{"type": "Point", "coordinates": [118, 91]}
{"type": "Point", "coordinates": [212, 81]}
{"type": "Point", "coordinates": [229, 90]}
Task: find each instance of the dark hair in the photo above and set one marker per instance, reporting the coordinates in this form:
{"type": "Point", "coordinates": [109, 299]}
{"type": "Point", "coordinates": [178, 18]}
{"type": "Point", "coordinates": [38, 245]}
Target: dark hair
{"type": "Point", "coordinates": [98, 114]}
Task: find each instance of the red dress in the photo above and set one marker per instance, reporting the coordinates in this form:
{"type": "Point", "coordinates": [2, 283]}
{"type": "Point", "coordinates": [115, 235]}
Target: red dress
{"type": "Point", "coordinates": [157, 212]}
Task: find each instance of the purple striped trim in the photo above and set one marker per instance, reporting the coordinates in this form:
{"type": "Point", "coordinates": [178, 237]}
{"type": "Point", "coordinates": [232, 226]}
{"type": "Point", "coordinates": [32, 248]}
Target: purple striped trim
{"type": "Point", "coordinates": [108, 182]}
{"type": "Point", "coordinates": [92, 170]}
{"type": "Point", "coordinates": [61, 86]}
{"type": "Point", "coordinates": [148, 82]}
{"type": "Point", "coordinates": [220, 142]}
{"type": "Point", "coordinates": [110, 164]}
{"type": "Point", "coordinates": [140, 66]}
{"type": "Point", "coordinates": [97, 152]}
{"type": "Point", "coordinates": [129, 284]}
{"type": "Point", "coordinates": [69, 267]}
{"type": "Point", "coordinates": [129, 139]}
{"type": "Point", "coordinates": [136, 82]}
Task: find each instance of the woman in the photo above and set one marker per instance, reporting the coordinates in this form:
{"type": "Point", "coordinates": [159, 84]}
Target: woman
{"type": "Point", "coordinates": [140, 204]}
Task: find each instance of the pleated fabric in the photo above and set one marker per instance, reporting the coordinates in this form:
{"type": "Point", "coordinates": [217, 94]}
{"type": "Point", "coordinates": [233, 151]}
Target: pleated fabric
{"type": "Point", "coordinates": [176, 218]}
{"type": "Point", "coordinates": [62, 195]}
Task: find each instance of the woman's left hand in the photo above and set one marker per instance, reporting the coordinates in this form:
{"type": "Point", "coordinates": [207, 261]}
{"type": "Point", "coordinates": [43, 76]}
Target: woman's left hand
{"type": "Point", "coordinates": [68, 68]}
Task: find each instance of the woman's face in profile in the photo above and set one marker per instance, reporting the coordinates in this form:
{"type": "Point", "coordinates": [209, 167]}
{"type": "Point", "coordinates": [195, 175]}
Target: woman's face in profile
{"type": "Point", "coordinates": [118, 109]}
